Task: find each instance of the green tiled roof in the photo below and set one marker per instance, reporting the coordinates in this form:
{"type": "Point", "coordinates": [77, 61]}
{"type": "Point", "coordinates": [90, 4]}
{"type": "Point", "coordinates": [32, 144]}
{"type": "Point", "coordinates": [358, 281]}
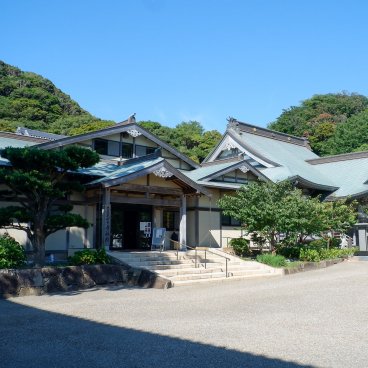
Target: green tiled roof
{"type": "Point", "coordinates": [125, 170]}
{"type": "Point", "coordinates": [348, 175]}
{"type": "Point", "coordinates": [18, 143]}
{"type": "Point", "coordinates": [208, 170]}
{"type": "Point", "coordinates": [290, 157]}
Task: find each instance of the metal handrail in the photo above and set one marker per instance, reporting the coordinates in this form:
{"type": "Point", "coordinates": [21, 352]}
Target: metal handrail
{"type": "Point", "coordinates": [205, 249]}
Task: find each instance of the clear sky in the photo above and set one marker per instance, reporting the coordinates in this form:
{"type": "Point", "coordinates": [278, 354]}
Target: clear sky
{"type": "Point", "coordinates": [180, 60]}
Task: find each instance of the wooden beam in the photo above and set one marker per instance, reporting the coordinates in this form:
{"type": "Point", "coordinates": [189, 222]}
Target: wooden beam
{"type": "Point", "coordinates": [148, 189]}
{"type": "Point", "coordinates": [147, 201]}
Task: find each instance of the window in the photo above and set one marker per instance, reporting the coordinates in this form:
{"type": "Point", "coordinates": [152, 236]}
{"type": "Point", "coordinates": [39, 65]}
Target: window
{"type": "Point", "coordinates": [171, 220]}
{"type": "Point", "coordinates": [101, 146]}
{"type": "Point", "coordinates": [126, 150]}
{"type": "Point", "coordinates": [112, 148]}
{"type": "Point", "coordinates": [143, 150]}
{"type": "Point", "coordinates": [106, 147]}
{"type": "Point", "coordinates": [228, 153]}
{"type": "Point", "coordinates": [229, 221]}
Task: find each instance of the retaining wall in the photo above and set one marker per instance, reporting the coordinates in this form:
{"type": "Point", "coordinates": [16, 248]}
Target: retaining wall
{"type": "Point", "coordinates": [39, 281]}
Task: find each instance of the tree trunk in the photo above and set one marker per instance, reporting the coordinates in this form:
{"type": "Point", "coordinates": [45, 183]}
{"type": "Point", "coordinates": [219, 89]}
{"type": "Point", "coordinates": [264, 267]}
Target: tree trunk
{"type": "Point", "coordinates": [38, 243]}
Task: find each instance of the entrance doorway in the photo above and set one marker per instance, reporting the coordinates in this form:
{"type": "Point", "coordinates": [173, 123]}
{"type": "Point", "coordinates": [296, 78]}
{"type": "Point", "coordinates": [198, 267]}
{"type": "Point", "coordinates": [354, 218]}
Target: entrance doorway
{"type": "Point", "coordinates": [131, 227]}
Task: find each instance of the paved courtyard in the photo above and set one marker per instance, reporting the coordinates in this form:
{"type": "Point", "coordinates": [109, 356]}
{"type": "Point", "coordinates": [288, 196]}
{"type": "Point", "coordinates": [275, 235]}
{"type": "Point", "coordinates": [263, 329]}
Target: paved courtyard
{"type": "Point", "coordinates": [312, 319]}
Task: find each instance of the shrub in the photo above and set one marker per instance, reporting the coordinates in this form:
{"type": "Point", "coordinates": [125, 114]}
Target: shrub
{"type": "Point", "coordinates": [289, 251]}
{"type": "Point", "coordinates": [316, 255]}
{"type": "Point", "coordinates": [318, 243]}
{"type": "Point", "coordinates": [322, 243]}
{"type": "Point", "coordinates": [272, 260]}
{"type": "Point", "coordinates": [89, 256]}
{"type": "Point", "coordinates": [309, 255]}
{"type": "Point", "coordinates": [12, 254]}
{"type": "Point", "coordinates": [241, 247]}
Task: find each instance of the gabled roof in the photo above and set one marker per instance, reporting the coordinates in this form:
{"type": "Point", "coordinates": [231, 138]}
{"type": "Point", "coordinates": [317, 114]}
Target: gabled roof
{"type": "Point", "coordinates": [242, 127]}
{"type": "Point", "coordinates": [135, 168]}
{"type": "Point", "coordinates": [213, 170]}
{"type": "Point", "coordinates": [124, 126]}
{"type": "Point", "coordinates": [38, 134]}
{"type": "Point", "coordinates": [350, 176]}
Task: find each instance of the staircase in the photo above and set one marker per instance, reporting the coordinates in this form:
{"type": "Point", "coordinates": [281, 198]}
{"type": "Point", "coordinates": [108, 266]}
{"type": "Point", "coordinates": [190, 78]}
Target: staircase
{"type": "Point", "coordinates": [187, 268]}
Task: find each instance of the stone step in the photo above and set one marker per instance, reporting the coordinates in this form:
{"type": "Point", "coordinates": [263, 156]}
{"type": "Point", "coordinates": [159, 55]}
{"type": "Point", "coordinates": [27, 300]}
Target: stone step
{"type": "Point", "coordinates": [189, 271]}
{"type": "Point", "coordinates": [177, 266]}
{"type": "Point", "coordinates": [178, 283]}
{"type": "Point", "coordinates": [215, 273]}
{"type": "Point", "coordinates": [201, 270]}
{"type": "Point", "coordinates": [144, 257]}
{"type": "Point", "coordinates": [197, 276]}
{"type": "Point", "coordinates": [160, 262]}
{"type": "Point", "coordinates": [360, 258]}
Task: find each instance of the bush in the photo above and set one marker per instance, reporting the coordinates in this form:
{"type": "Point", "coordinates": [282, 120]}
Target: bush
{"type": "Point", "coordinates": [272, 260]}
{"type": "Point", "coordinates": [322, 243]}
{"type": "Point", "coordinates": [309, 255]}
{"type": "Point", "coordinates": [12, 254]}
{"type": "Point", "coordinates": [316, 255]}
{"type": "Point", "coordinates": [89, 256]}
{"type": "Point", "coordinates": [241, 247]}
{"type": "Point", "coordinates": [289, 251]}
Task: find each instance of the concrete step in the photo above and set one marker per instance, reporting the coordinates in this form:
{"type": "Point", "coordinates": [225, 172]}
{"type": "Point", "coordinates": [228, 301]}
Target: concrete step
{"type": "Point", "coordinates": [189, 271]}
{"type": "Point", "coordinates": [201, 270]}
{"type": "Point", "coordinates": [220, 279]}
{"type": "Point", "coordinates": [178, 266]}
{"type": "Point", "coordinates": [360, 259]}
{"type": "Point", "coordinates": [159, 262]}
{"type": "Point", "coordinates": [197, 276]}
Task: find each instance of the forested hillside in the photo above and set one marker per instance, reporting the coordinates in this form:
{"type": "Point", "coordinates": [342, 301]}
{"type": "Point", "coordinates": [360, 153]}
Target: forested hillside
{"type": "Point", "coordinates": [333, 123]}
{"type": "Point", "coordinates": [187, 137]}
{"type": "Point", "coordinates": [29, 100]}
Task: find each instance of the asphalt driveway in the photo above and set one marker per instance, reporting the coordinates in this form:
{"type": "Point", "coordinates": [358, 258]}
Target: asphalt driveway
{"type": "Point", "coordinates": [312, 319]}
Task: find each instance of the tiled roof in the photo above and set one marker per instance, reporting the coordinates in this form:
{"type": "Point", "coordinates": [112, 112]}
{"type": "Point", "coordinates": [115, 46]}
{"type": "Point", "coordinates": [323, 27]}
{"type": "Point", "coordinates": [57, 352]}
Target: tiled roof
{"type": "Point", "coordinates": [291, 158]}
{"type": "Point", "coordinates": [38, 134]}
{"type": "Point", "coordinates": [349, 176]}
{"type": "Point", "coordinates": [125, 170]}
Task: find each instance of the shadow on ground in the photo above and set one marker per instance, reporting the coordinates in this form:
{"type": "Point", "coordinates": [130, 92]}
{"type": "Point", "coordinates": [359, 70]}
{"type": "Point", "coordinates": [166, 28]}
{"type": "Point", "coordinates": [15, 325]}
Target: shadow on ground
{"type": "Point", "coordinates": [32, 337]}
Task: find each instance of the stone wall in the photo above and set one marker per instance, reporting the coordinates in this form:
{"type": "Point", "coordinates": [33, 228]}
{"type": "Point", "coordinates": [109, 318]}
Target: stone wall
{"type": "Point", "coordinates": [38, 281]}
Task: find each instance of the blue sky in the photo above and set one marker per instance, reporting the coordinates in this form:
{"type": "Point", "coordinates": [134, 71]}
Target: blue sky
{"type": "Point", "coordinates": [177, 60]}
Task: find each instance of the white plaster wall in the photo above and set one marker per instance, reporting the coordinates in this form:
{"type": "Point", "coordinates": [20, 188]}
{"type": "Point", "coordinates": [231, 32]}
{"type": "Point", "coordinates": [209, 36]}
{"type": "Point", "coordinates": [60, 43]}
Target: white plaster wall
{"type": "Point", "coordinates": [191, 228]}
{"type": "Point", "coordinates": [76, 234]}
{"type": "Point", "coordinates": [56, 241]}
{"type": "Point", "coordinates": [209, 229]}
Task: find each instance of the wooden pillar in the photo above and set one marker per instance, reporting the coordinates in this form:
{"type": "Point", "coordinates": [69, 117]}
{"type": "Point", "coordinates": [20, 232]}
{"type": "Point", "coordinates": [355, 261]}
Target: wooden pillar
{"type": "Point", "coordinates": [183, 223]}
{"type": "Point", "coordinates": [106, 219]}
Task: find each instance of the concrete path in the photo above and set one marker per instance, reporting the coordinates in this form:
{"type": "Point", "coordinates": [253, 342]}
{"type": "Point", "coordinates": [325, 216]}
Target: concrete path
{"type": "Point", "coordinates": [312, 319]}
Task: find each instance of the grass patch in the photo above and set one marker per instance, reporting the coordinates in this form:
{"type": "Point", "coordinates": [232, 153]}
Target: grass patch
{"type": "Point", "coordinates": [272, 260]}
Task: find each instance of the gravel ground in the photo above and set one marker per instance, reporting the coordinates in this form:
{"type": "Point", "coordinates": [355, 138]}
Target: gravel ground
{"type": "Point", "coordinates": [312, 319]}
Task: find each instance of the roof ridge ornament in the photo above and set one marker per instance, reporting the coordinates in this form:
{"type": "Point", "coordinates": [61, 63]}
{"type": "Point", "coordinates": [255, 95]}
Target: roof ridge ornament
{"type": "Point", "coordinates": [232, 123]}
{"type": "Point", "coordinates": [244, 169]}
{"type": "Point", "coordinates": [162, 172]}
{"type": "Point", "coordinates": [134, 133]}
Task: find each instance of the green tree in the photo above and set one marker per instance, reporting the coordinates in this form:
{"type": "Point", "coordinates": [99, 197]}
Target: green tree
{"type": "Point", "coordinates": [351, 135]}
{"type": "Point", "coordinates": [187, 137]}
{"type": "Point", "coordinates": [37, 179]}
{"type": "Point", "coordinates": [270, 209]}
{"type": "Point", "coordinates": [260, 207]}
{"type": "Point", "coordinates": [319, 117]}
{"type": "Point", "coordinates": [337, 216]}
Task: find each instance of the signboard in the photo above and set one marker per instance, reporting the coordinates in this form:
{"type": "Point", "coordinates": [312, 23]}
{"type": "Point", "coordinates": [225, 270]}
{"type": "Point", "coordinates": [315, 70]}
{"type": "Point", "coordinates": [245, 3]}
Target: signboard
{"type": "Point", "coordinates": [158, 238]}
{"type": "Point", "coordinates": [146, 228]}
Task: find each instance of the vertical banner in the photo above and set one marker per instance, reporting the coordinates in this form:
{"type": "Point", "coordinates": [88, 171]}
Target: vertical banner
{"type": "Point", "coordinates": [106, 215]}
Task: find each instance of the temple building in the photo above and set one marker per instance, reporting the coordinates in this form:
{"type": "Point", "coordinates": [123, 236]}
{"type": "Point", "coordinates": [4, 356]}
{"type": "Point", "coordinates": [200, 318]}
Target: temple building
{"type": "Point", "coordinates": [142, 183]}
